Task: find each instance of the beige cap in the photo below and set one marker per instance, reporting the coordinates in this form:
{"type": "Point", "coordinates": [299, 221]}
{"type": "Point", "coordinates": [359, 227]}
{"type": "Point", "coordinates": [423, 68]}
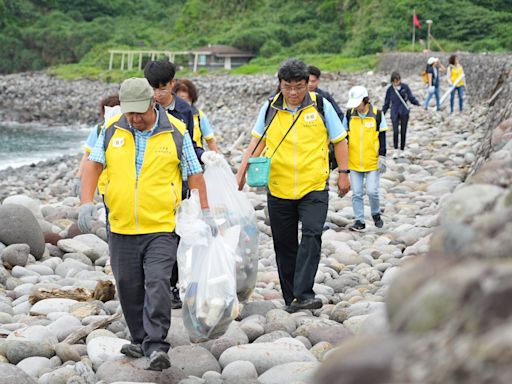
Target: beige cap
{"type": "Point", "coordinates": [135, 95]}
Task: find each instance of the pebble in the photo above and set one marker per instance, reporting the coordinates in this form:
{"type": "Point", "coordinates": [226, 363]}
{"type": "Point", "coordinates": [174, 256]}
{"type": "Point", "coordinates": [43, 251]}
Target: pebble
{"type": "Point", "coordinates": [297, 372]}
{"type": "Point", "coordinates": [239, 371]}
{"type": "Point", "coordinates": [266, 355]}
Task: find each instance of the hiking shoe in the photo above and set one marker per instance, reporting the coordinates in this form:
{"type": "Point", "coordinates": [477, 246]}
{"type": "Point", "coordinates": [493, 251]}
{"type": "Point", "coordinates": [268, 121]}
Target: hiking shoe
{"type": "Point", "coordinates": [132, 350]}
{"type": "Point", "coordinates": [378, 220]}
{"type": "Point", "coordinates": [158, 361]}
{"type": "Point", "coordinates": [298, 305]}
{"type": "Point", "coordinates": [175, 298]}
{"type": "Point", "coordinates": [357, 226]}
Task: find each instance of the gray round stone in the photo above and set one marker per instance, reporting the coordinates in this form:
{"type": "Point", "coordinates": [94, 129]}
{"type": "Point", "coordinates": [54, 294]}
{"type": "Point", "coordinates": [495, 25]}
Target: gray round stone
{"type": "Point", "coordinates": [238, 371]}
{"type": "Point", "coordinates": [15, 254]}
{"type": "Point", "coordinates": [18, 225]}
{"type": "Point", "coordinates": [193, 360]}
{"type": "Point", "coordinates": [10, 374]}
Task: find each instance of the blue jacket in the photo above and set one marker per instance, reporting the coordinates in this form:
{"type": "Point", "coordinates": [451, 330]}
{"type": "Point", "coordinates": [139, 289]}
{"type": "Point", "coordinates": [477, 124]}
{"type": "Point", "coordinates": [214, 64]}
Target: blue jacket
{"type": "Point", "coordinates": [183, 112]}
{"type": "Point", "coordinates": [397, 107]}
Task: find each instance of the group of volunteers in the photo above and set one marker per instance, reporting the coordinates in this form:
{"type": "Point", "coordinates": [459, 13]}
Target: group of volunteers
{"type": "Point", "coordinates": [146, 157]}
{"type": "Point", "coordinates": [455, 77]}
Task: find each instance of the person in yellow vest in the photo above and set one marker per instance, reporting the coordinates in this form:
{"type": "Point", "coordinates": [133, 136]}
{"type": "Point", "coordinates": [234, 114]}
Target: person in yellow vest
{"type": "Point", "coordinates": [297, 139]}
{"type": "Point", "coordinates": [146, 153]}
{"type": "Point", "coordinates": [455, 75]}
{"type": "Point", "coordinates": [111, 101]}
{"type": "Point", "coordinates": [202, 128]}
{"type": "Point", "coordinates": [366, 126]}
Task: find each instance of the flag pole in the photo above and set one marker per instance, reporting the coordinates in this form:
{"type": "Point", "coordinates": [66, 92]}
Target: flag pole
{"type": "Point", "coordinates": [413, 29]}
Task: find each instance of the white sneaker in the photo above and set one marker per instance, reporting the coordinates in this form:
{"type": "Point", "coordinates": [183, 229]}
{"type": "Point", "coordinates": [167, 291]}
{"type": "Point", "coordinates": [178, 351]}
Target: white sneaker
{"type": "Point", "coordinates": [395, 154]}
{"type": "Point", "coordinates": [402, 154]}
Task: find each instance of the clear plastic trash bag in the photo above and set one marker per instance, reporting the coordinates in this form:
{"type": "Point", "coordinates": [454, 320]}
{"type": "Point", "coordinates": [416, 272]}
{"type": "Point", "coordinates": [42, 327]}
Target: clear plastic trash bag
{"type": "Point", "coordinates": [206, 267]}
{"type": "Point", "coordinates": [231, 209]}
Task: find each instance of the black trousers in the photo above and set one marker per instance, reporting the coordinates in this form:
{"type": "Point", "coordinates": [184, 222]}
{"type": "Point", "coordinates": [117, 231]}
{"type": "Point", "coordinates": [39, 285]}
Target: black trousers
{"type": "Point", "coordinates": [401, 120]}
{"type": "Point", "coordinates": [297, 263]}
{"type": "Point", "coordinates": [142, 266]}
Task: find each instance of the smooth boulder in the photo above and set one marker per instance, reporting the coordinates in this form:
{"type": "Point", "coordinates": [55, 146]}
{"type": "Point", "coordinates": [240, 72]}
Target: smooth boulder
{"type": "Point", "coordinates": [18, 225]}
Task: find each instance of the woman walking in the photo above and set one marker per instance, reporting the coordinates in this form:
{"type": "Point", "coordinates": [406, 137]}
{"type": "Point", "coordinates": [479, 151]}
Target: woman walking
{"type": "Point", "coordinates": [397, 96]}
{"type": "Point", "coordinates": [455, 75]}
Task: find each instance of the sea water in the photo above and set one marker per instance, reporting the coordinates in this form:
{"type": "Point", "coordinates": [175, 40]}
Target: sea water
{"type": "Point", "coordinates": [22, 144]}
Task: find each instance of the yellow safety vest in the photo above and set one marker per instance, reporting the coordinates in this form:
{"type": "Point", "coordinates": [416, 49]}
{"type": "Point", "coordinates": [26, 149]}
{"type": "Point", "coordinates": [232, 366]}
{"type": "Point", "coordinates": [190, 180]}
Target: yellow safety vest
{"type": "Point", "coordinates": [455, 73]}
{"type": "Point", "coordinates": [363, 141]}
{"type": "Point", "coordinates": [301, 163]}
{"type": "Point", "coordinates": [198, 137]}
{"type": "Point", "coordinates": [145, 204]}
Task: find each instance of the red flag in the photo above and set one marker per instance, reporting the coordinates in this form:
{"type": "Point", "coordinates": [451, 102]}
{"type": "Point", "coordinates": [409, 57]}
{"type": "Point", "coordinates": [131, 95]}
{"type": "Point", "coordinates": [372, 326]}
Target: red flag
{"type": "Point", "coordinates": [416, 21]}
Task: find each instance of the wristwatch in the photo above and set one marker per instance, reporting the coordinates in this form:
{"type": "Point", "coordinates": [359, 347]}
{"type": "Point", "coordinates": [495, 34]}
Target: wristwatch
{"type": "Point", "coordinates": [344, 170]}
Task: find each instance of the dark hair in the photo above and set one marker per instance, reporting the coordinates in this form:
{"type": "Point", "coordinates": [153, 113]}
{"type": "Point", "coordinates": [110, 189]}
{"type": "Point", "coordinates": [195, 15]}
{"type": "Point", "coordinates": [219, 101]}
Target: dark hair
{"type": "Point", "coordinates": [366, 100]}
{"type": "Point", "coordinates": [293, 70]}
{"type": "Point", "coordinates": [109, 101]}
{"type": "Point", "coordinates": [315, 71]}
{"type": "Point", "coordinates": [451, 60]}
{"type": "Point", "coordinates": [159, 72]}
{"type": "Point", "coordinates": [187, 86]}
{"type": "Point", "coordinates": [395, 76]}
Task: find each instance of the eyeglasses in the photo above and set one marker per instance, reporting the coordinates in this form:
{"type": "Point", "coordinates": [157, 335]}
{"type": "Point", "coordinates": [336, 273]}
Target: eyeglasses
{"type": "Point", "coordinates": [161, 91]}
{"type": "Point", "coordinates": [298, 88]}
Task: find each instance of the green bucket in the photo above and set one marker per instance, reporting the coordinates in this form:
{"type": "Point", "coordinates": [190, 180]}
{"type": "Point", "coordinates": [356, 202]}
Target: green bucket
{"type": "Point", "coordinates": [258, 172]}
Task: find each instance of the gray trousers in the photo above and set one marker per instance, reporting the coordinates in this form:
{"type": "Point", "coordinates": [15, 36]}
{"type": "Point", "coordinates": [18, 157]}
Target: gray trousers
{"type": "Point", "coordinates": [142, 266]}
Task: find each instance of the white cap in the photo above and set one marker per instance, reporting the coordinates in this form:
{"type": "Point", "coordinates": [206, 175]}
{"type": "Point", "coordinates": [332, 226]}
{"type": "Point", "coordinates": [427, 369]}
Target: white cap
{"type": "Point", "coordinates": [356, 96]}
{"type": "Point", "coordinates": [432, 60]}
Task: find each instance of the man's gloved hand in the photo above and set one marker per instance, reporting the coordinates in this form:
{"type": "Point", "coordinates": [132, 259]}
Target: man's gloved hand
{"type": "Point", "coordinates": [86, 214]}
{"type": "Point", "coordinates": [431, 89]}
{"type": "Point", "coordinates": [75, 187]}
{"type": "Point", "coordinates": [208, 219]}
{"type": "Point", "coordinates": [382, 164]}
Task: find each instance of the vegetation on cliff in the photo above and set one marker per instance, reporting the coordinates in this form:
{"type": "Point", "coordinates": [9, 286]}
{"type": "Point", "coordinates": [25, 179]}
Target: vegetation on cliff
{"type": "Point", "coordinates": [36, 34]}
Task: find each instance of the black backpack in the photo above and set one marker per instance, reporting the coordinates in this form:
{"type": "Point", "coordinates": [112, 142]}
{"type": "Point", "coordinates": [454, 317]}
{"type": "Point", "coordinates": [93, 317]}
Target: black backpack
{"type": "Point", "coordinates": [319, 105]}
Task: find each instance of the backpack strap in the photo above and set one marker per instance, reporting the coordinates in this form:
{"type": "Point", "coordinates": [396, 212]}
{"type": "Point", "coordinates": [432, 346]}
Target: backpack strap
{"type": "Point", "coordinates": [319, 105]}
{"type": "Point", "coordinates": [348, 115]}
{"type": "Point", "coordinates": [177, 137]}
{"type": "Point", "coordinates": [270, 113]}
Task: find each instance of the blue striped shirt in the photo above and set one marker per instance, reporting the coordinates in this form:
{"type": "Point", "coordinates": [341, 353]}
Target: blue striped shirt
{"type": "Point", "coordinates": [189, 164]}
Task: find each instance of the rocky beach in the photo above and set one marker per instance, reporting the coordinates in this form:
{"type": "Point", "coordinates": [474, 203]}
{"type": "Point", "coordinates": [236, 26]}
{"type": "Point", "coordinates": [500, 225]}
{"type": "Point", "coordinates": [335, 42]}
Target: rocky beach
{"type": "Point", "coordinates": [425, 299]}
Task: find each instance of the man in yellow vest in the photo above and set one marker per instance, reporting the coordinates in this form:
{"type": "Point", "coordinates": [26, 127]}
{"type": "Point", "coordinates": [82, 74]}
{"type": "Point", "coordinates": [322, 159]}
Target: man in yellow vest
{"type": "Point", "coordinates": [146, 153]}
{"type": "Point", "coordinates": [297, 141]}
{"type": "Point", "coordinates": [366, 126]}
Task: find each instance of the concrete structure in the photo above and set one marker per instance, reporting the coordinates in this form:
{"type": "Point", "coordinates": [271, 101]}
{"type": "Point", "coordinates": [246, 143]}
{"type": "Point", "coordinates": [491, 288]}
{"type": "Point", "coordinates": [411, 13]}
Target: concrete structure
{"type": "Point", "coordinates": [129, 56]}
{"type": "Point", "coordinates": [218, 56]}
{"type": "Point", "coordinates": [211, 57]}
